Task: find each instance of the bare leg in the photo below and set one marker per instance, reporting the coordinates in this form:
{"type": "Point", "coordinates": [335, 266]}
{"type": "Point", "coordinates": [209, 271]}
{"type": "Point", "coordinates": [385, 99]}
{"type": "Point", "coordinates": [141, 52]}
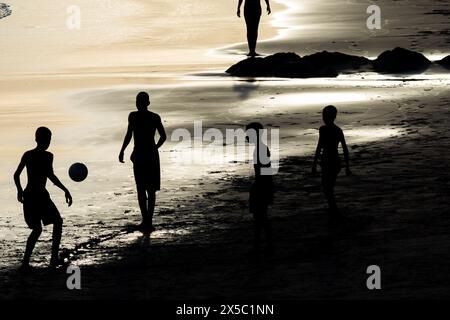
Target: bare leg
{"type": "Point", "coordinates": [329, 194]}
{"type": "Point", "coordinates": [257, 231]}
{"type": "Point", "coordinates": [252, 33]}
{"type": "Point", "coordinates": [151, 206]}
{"type": "Point", "coordinates": [31, 242]}
{"type": "Point", "coordinates": [268, 232]}
{"type": "Point", "coordinates": [57, 231]}
{"type": "Point", "coordinates": [328, 183]}
{"type": "Point", "coordinates": [264, 224]}
{"type": "Point", "coordinates": [257, 236]}
{"type": "Point", "coordinates": [142, 199]}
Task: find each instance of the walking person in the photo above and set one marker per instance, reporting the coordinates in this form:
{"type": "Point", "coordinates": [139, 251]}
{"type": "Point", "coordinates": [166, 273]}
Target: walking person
{"type": "Point", "coordinates": [142, 126]}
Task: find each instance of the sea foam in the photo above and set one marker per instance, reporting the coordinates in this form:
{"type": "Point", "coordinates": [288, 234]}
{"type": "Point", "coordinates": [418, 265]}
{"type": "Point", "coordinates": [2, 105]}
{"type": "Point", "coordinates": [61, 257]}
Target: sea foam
{"type": "Point", "coordinates": [5, 10]}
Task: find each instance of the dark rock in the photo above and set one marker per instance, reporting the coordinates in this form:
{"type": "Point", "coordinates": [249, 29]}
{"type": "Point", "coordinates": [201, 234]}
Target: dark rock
{"type": "Point", "coordinates": [331, 64]}
{"type": "Point", "coordinates": [337, 61]}
{"type": "Point", "coordinates": [290, 65]}
{"type": "Point", "coordinates": [304, 69]}
{"type": "Point", "coordinates": [262, 67]}
{"type": "Point", "coordinates": [445, 62]}
{"type": "Point", "coordinates": [401, 60]}
{"type": "Point", "coordinates": [323, 64]}
{"type": "Point", "coordinates": [281, 58]}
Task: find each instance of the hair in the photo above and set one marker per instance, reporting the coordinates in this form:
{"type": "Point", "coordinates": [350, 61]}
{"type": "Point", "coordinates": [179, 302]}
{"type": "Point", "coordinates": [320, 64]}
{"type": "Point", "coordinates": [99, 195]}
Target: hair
{"type": "Point", "coordinates": [254, 126]}
{"type": "Point", "coordinates": [142, 96]}
{"type": "Point", "coordinates": [253, 131]}
{"type": "Point", "coordinates": [142, 100]}
{"type": "Point", "coordinates": [329, 112]}
{"type": "Point", "coordinates": [43, 134]}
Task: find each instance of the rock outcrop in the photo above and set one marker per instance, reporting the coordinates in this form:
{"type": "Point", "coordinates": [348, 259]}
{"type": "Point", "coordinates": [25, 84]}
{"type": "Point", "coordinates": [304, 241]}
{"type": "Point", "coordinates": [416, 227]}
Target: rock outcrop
{"type": "Point", "coordinates": [331, 64]}
{"type": "Point", "coordinates": [445, 62]}
{"type": "Point", "coordinates": [401, 60]}
{"type": "Point", "coordinates": [291, 65]}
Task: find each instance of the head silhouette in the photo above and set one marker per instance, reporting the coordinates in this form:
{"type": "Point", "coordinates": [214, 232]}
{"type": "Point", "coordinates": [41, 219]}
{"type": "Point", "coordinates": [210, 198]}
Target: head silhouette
{"type": "Point", "coordinates": [253, 131]}
{"type": "Point", "coordinates": [43, 137]}
{"type": "Point", "coordinates": [329, 114]}
{"type": "Point", "coordinates": [142, 101]}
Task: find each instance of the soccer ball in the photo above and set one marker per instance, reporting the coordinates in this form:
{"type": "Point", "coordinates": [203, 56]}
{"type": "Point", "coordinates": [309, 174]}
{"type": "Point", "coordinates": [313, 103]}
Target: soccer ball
{"type": "Point", "coordinates": [78, 172]}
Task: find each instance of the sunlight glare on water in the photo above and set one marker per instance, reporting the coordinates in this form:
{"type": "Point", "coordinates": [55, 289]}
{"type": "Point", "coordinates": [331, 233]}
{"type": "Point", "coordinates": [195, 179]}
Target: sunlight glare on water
{"type": "Point", "coordinates": [368, 134]}
{"type": "Point", "coordinates": [320, 98]}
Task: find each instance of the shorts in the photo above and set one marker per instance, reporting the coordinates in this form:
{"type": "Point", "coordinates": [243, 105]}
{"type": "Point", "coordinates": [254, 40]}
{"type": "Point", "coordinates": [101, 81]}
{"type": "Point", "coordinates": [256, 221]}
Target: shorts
{"type": "Point", "coordinates": [38, 207]}
{"type": "Point", "coordinates": [261, 196]}
{"type": "Point", "coordinates": [146, 168]}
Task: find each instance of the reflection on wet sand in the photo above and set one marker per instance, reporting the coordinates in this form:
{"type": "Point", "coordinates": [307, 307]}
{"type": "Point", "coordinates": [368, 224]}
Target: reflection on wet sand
{"type": "Point", "coordinates": [194, 207]}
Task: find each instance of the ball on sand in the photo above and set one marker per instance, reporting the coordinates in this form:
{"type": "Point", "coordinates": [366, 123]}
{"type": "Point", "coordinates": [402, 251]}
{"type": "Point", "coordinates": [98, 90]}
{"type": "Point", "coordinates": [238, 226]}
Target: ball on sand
{"type": "Point", "coordinates": [78, 172]}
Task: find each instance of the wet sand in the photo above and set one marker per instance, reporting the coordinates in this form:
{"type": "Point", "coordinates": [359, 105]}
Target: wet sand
{"type": "Point", "coordinates": [395, 204]}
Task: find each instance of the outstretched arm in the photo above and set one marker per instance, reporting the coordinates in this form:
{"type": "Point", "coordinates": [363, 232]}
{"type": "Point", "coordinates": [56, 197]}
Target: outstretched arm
{"type": "Point", "coordinates": [53, 178]}
{"type": "Point", "coordinates": [269, 11]}
{"type": "Point", "coordinates": [126, 140]}
{"type": "Point", "coordinates": [162, 135]}
{"type": "Point", "coordinates": [239, 8]}
{"type": "Point", "coordinates": [317, 154]}
{"type": "Point", "coordinates": [346, 155]}
{"type": "Point", "coordinates": [17, 179]}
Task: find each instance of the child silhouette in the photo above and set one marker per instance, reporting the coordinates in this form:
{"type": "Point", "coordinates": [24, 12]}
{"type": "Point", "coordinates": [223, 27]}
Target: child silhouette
{"type": "Point", "coordinates": [330, 135]}
{"type": "Point", "coordinates": [261, 191]}
{"type": "Point", "coordinates": [37, 205]}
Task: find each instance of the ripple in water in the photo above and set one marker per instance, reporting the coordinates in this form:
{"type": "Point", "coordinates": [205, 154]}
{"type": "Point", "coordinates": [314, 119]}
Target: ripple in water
{"type": "Point", "coordinates": [5, 10]}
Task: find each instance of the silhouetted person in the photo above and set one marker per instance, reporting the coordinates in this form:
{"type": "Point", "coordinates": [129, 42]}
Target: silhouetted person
{"type": "Point", "coordinates": [261, 191]}
{"type": "Point", "coordinates": [252, 15]}
{"type": "Point", "coordinates": [142, 125]}
{"type": "Point", "coordinates": [330, 136]}
{"type": "Point", "coordinates": [37, 205]}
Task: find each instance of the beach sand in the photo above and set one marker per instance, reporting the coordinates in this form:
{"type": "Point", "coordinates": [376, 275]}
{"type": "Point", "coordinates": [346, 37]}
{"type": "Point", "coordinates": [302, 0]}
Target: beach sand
{"type": "Point", "coordinates": [395, 201]}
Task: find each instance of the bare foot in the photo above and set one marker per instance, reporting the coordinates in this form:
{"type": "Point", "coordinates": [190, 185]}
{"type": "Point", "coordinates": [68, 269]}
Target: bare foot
{"type": "Point", "coordinates": [253, 54]}
{"type": "Point", "coordinates": [26, 269]}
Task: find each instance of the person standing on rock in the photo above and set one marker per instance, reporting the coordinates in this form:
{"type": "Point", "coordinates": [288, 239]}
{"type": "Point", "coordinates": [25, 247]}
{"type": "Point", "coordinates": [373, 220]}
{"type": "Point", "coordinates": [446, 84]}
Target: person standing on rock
{"type": "Point", "coordinates": [252, 15]}
{"type": "Point", "coordinates": [262, 190]}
